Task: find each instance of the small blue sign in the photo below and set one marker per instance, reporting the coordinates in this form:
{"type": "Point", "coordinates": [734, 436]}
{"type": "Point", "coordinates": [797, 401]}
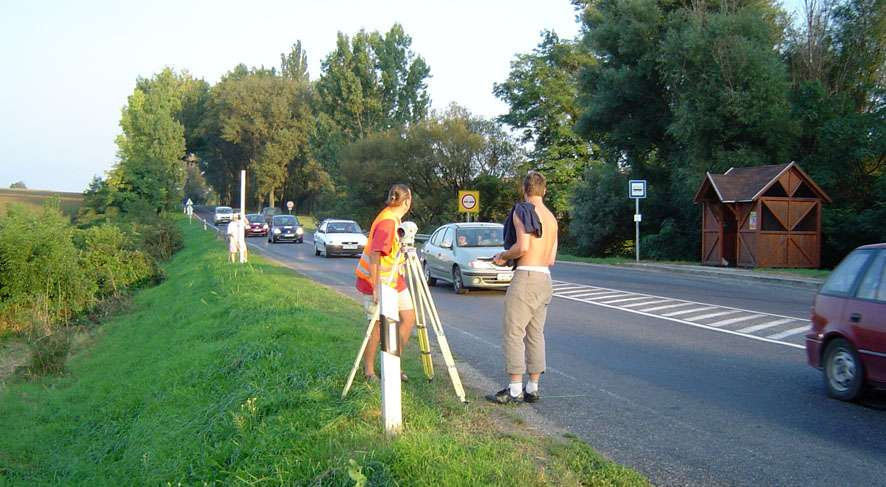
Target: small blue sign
{"type": "Point", "coordinates": [637, 188]}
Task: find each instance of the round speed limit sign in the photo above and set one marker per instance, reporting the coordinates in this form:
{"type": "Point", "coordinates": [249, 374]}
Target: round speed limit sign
{"type": "Point", "coordinates": [290, 205]}
{"type": "Point", "coordinates": [468, 201]}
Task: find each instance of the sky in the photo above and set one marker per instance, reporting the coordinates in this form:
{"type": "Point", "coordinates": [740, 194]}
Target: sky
{"type": "Point", "coordinates": [69, 66]}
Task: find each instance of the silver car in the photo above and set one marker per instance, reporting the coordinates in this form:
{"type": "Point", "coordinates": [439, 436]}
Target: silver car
{"type": "Point", "coordinates": [461, 253]}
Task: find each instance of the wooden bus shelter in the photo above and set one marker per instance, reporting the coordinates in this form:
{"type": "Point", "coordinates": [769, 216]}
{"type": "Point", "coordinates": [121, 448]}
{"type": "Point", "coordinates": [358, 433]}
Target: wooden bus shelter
{"type": "Point", "coordinates": [764, 216]}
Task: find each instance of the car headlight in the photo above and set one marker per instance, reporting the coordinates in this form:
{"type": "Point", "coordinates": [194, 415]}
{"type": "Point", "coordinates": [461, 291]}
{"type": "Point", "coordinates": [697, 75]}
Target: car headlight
{"type": "Point", "coordinates": [480, 264]}
{"type": "Point", "coordinates": [276, 231]}
{"type": "Point", "coordinates": [299, 231]}
{"type": "Point", "coordinates": [264, 225]}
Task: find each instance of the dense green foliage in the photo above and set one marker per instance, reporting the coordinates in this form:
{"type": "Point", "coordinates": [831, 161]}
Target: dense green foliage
{"type": "Point", "coordinates": [221, 393]}
{"type": "Point", "coordinates": [52, 271]}
{"type": "Point", "coordinates": [669, 90]}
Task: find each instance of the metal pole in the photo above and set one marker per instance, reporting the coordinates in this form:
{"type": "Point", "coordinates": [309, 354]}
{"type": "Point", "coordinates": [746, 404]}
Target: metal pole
{"type": "Point", "coordinates": [242, 228]}
{"type": "Point", "coordinates": [637, 229]}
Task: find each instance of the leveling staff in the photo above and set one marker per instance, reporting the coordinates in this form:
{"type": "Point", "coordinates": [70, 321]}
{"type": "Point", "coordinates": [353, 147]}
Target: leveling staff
{"type": "Point", "coordinates": [531, 240]}
{"type": "Point", "coordinates": [382, 264]}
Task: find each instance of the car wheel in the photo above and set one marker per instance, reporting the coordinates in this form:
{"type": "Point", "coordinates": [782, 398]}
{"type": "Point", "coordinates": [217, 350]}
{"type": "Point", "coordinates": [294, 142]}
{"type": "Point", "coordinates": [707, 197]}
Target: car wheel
{"type": "Point", "coordinates": [458, 284]}
{"type": "Point", "coordinates": [326, 252]}
{"type": "Point", "coordinates": [316, 251]}
{"type": "Point", "coordinates": [843, 371]}
{"type": "Point", "coordinates": [430, 280]}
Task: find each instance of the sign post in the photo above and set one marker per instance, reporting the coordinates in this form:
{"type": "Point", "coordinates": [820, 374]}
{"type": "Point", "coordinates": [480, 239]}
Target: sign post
{"type": "Point", "coordinates": [469, 203]}
{"type": "Point", "coordinates": [289, 206]}
{"type": "Point", "coordinates": [637, 191]}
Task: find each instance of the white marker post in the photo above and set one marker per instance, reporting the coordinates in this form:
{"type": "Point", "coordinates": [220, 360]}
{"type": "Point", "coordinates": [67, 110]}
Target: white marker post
{"type": "Point", "coordinates": [391, 408]}
{"type": "Point", "coordinates": [637, 191]}
{"type": "Point", "coordinates": [242, 229]}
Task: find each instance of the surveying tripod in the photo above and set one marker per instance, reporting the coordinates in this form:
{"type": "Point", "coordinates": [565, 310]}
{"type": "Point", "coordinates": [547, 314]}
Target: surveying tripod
{"type": "Point", "coordinates": [425, 315]}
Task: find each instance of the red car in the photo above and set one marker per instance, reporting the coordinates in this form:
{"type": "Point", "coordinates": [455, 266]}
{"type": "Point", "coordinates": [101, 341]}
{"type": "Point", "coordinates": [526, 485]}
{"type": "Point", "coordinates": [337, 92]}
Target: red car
{"type": "Point", "coordinates": [848, 336]}
{"type": "Point", "coordinates": [257, 226]}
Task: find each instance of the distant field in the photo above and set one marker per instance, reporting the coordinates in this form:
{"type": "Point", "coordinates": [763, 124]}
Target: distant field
{"type": "Point", "coordinates": [70, 202]}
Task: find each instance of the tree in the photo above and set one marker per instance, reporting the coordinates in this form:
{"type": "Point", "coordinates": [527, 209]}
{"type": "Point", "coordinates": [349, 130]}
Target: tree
{"type": "Point", "coordinates": [261, 122]}
{"type": "Point", "coordinates": [370, 82]}
{"type": "Point", "coordinates": [294, 65]}
{"type": "Point", "coordinates": [18, 185]}
{"type": "Point", "coordinates": [541, 92]}
{"type": "Point", "coordinates": [152, 145]}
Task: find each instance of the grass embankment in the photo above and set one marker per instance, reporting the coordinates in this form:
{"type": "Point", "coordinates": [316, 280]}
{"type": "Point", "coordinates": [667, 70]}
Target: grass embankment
{"type": "Point", "coordinates": [817, 273]}
{"type": "Point", "coordinates": [69, 202]}
{"type": "Point", "coordinates": [233, 375]}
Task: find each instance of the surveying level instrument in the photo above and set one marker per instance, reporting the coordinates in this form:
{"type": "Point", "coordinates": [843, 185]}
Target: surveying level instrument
{"type": "Point", "coordinates": [425, 315]}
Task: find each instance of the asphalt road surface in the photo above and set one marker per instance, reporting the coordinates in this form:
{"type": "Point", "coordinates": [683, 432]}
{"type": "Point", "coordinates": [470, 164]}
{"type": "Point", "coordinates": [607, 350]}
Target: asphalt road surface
{"type": "Point", "coordinates": [690, 380]}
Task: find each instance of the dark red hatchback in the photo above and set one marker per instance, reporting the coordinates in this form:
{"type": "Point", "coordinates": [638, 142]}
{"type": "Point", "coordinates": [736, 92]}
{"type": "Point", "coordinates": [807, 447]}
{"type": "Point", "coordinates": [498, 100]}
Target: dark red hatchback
{"type": "Point", "coordinates": [848, 336]}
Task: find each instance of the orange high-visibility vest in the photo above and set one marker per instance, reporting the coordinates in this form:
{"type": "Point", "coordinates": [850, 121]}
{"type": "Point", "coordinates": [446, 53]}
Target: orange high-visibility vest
{"type": "Point", "coordinates": [387, 263]}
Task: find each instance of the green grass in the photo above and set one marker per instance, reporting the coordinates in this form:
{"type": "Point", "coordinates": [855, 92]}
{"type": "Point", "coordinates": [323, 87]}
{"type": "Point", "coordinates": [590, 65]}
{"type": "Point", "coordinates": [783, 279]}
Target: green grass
{"type": "Point", "coordinates": [227, 374]}
{"type": "Point", "coordinates": [307, 222]}
{"type": "Point", "coordinates": [69, 202]}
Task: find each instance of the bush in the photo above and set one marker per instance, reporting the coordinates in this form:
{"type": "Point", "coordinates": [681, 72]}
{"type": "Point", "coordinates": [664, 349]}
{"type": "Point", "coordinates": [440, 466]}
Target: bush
{"type": "Point", "coordinates": [109, 259]}
{"type": "Point", "coordinates": [41, 279]}
{"type": "Point", "coordinates": [601, 212]}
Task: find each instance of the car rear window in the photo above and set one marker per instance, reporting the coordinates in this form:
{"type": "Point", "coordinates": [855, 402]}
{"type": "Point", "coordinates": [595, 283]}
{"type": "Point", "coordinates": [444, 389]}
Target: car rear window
{"type": "Point", "coordinates": [844, 276]}
{"type": "Point", "coordinates": [873, 285]}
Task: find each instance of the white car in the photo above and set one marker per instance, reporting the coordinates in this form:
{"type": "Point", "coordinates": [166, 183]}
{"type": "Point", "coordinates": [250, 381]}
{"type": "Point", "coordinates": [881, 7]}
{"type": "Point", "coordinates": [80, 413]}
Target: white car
{"type": "Point", "coordinates": [339, 237]}
{"type": "Point", "coordinates": [223, 214]}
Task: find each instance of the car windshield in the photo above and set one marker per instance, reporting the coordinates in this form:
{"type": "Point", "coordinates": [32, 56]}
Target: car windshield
{"type": "Point", "coordinates": [224, 210]}
{"type": "Point", "coordinates": [272, 211]}
{"type": "Point", "coordinates": [253, 218]}
{"type": "Point", "coordinates": [342, 227]}
{"type": "Point", "coordinates": [479, 237]}
{"type": "Point", "coordinates": [285, 220]}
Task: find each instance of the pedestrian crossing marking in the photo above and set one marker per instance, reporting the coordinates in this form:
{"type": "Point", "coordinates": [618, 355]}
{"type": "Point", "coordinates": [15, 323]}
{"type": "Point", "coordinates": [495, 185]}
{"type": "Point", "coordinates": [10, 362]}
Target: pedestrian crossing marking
{"type": "Point", "coordinates": [763, 326]}
{"type": "Point", "coordinates": [735, 321]}
{"type": "Point", "coordinates": [787, 333]}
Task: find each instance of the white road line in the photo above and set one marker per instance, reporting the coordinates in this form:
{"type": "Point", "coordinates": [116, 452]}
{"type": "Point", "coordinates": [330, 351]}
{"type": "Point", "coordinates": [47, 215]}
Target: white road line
{"type": "Point", "coordinates": [730, 321]}
{"type": "Point", "coordinates": [713, 315]}
{"type": "Point", "coordinates": [647, 303]}
{"type": "Point", "coordinates": [584, 295]}
{"type": "Point", "coordinates": [569, 288]}
{"type": "Point", "coordinates": [687, 311]}
{"type": "Point", "coordinates": [624, 300]}
{"type": "Point", "coordinates": [596, 292]}
{"type": "Point", "coordinates": [787, 333]}
{"type": "Point", "coordinates": [668, 306]}
{"type": "Point", "coordinates": [609, 296]}
{"type": "Point", "coordinates": [574, 291]}
{"type": "Point", "coordinates": [763, 326]}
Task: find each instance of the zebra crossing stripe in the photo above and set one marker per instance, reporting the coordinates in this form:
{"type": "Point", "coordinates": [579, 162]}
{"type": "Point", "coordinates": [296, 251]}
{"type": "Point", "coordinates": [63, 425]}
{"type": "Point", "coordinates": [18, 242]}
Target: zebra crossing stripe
{"type": "Point", "coordinates": [763, 326]}
{"type": "Point", "coordinates": [787, 333]}
{"type": "Point", "coordinates": [668, 306]}
{"type": "Point", "coordinates": [730, 321]}
{"type": "Point", "coordinates": [687, 311]}
{"type": "Point", "coordinates": [712, 315]}
{"type": "Point", "coordinates": [624, 300]}
{"type": "Point", "coordinates": [609, 296]}
{"type": "Point", "coordinates": [646, 303]}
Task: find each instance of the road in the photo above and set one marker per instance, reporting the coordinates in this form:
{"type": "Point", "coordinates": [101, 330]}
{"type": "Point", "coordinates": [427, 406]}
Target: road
{"type": "Point", "coordinates": [717, 393]}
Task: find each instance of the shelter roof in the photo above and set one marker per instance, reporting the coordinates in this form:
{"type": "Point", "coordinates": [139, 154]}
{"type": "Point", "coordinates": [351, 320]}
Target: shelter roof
{"type": "Point", "coordinates": [745, 184]}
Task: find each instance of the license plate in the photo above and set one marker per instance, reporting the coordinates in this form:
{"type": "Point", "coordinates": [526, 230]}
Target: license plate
{"type": "Point", "coordinates": [349, 247]}
{"type": "Point", "coordinates": [505, 276]}
{"type": "Point", "coordinates": [288, 234]}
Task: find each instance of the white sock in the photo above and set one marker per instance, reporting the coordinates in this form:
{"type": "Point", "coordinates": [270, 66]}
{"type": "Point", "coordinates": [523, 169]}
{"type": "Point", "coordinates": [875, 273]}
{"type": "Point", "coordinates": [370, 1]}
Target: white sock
{"type": "Point", "coordinates": [532, 387]}
{"type": "Point", "coordinates": [516, 388]}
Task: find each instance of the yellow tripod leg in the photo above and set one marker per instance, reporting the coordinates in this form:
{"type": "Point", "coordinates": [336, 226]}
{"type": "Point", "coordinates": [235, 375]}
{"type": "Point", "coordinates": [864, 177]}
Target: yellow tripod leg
{"type": "Point", "coordinates": [424, 343]}
{"type": "Point", "coordinates": [425, 295]}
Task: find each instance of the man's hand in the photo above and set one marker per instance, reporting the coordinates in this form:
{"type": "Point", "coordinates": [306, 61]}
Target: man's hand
{"type": "Point", "coordinates": [498, 260]}
{"type": "Point", "coordinates": [375, 295]}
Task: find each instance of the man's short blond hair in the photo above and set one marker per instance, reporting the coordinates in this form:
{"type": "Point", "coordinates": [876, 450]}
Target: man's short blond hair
{"type": "Point", "coordinates": [534, 184]}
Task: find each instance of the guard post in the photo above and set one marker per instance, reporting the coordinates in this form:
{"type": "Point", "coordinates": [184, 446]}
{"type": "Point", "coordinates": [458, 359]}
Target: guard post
{"type": "Point", "coordinates": [637, 191]}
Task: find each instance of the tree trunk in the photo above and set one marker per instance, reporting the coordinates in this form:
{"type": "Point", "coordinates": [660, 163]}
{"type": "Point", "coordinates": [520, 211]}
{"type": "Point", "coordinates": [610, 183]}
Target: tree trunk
{"type": "Point", "coordinates": [271, 198]}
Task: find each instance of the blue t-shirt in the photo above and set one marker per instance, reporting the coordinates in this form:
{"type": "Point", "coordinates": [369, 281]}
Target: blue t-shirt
{"type": "Point", "coordinates": [527, 214]}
